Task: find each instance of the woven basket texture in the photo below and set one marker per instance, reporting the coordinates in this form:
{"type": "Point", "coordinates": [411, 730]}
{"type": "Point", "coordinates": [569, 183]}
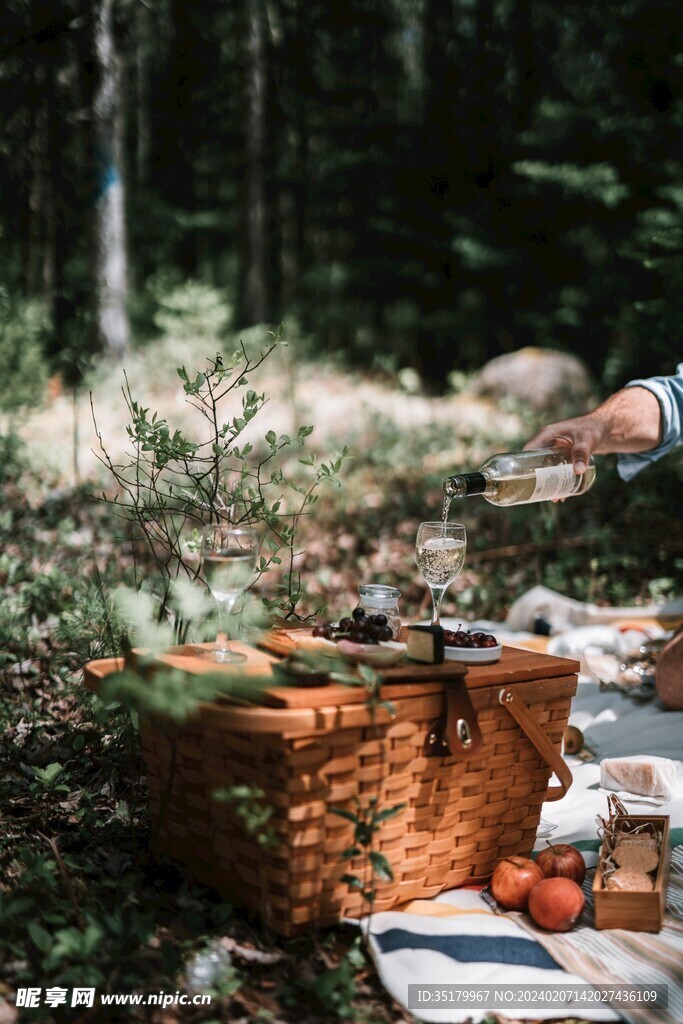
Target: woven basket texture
{"type": "Point", "coordinates": [460, 816]}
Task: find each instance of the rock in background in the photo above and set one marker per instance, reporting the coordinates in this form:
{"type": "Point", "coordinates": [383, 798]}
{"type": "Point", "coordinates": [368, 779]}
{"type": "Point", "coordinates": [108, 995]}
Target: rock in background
{"type": "Point", "coordinates": [547, 382]}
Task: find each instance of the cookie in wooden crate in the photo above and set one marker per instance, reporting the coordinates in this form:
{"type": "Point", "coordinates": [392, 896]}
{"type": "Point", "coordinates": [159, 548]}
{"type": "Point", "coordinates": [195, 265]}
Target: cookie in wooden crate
{"type": "Point", "coordinates": [630, 884]}
{"type": "Point", "coordinates": [629, 880]}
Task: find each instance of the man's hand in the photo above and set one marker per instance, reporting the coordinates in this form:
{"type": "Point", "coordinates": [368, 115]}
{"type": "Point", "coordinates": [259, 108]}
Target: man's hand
{"type": "Point", "coordinates": [584, 435]}
{"type": "Point", "coordinates": [629, 421]}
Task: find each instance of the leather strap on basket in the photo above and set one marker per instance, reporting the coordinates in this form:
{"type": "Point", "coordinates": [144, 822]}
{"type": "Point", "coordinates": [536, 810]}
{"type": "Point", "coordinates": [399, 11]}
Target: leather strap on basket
{"type": "Point", "coordinates": [457, 732]}
{"type": "Point", "coordinates": [521, 714]}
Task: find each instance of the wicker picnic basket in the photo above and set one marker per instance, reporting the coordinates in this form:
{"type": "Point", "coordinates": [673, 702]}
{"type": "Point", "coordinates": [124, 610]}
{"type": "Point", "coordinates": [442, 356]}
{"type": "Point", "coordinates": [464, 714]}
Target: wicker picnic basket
{"type": "Point", "coordinates": [470, 762]}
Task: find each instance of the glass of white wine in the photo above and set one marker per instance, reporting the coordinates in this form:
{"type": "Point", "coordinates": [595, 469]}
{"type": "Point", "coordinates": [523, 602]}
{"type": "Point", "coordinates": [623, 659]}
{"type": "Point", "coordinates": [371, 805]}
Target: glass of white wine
{"type": "Point", "coordinates": [229, 556]}
{"type": "Point", "coordinates": [440, 555]}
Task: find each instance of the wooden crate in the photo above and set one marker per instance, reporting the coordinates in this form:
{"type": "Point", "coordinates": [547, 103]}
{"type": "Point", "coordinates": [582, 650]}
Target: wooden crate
{"type": "Point", "coordinates": [312, 750]}
{"type": "Point", "coordinates": [635, 911]}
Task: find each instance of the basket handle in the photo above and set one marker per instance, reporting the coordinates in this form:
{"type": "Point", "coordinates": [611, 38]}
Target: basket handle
{"type": "Point", "coordinates": [521, 714]}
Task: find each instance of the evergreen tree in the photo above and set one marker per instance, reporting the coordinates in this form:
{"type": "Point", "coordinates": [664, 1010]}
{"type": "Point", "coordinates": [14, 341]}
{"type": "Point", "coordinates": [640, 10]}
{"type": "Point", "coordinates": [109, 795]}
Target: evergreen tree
{"type": "Point", "coordinates": [419, 182]}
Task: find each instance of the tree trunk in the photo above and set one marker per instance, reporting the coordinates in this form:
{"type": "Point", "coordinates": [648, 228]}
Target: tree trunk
{"type": "Point", "coordinates": [527, 79]}
{"type": "Point", "coordinates": [297, 87]}
{"type": "Point", "coordinates": [440, 184]}
{"type": "Point", "coordinates": [36, 195]}
{"type": "Point", "coordinates": [55, 245]}
{"type": "Point", "coordinates": [110, 258]}
{"type": "Point", "coordinates": [185, 72]}
{"type": "Point", "coordinates": [439, 78]}
{"type": "Point", "coordinates": [143, 119]}
{"type": "Point", "coordinates": [256, 296]}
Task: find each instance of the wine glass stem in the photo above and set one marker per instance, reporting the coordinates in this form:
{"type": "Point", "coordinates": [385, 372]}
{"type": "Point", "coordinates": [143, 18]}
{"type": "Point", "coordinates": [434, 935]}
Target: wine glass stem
{"type": "Point", "coordinates": [437, 595]}
{"type": "Point", "coordinates": [223, 608]}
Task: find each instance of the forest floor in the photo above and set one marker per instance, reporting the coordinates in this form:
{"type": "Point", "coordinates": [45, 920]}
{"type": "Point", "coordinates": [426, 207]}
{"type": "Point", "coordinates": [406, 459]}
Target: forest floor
{"type": "Point", "coordinates": [82, 901]}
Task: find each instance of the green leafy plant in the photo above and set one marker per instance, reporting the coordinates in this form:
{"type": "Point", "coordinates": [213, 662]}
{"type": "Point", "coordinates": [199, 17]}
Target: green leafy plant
{"type": "Point", "coordinates": [366, 822]}
{"type": "Point", "coordinates": [372, 683]}
{"type": "Point", "coordinates": [367, 819]}
{"type": "Point", "coordinates": [336, 987]}
{"type": "Point", "coordinates": [12, 463]}
{"type": "Point", "coordinates": [172, 485]}
{"type": "Point", "coordinates": [46, 779]}
{"type": "Point", "coordinates": [23, 329]}
{"type": "Point", "coordinates": [249, 809]}
{"type": "Point", "coordinates": [167, 693]}
{"type": "Point", "coordinates": [189, 310]}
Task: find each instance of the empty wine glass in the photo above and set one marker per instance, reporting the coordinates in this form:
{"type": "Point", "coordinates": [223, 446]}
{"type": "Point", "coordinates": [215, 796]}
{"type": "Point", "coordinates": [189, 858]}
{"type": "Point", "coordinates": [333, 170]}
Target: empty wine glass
{"type": "Point", "coordinates": [229, 556]}
{"type": "Point", "coordinates": [440, 555]}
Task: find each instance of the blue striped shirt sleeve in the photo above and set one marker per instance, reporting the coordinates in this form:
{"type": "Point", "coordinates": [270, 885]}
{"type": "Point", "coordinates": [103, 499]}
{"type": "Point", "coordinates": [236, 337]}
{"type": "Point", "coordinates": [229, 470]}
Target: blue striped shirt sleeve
{"type": "Point", "coordinates": [669, 393]}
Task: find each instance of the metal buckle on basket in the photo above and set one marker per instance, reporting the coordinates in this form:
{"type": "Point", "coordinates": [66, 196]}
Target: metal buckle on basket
{"type": "Point", "coordinates": [437, 744]}
{"type": "Point", "coordinates": [464, 732]}
{"type": "Point", "coordinates": [456, 733]}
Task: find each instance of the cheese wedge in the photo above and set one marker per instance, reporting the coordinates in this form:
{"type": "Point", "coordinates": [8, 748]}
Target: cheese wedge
{"type": "Point", "coordinates": [426, 644]}
{"type": "Point", "coordinates": [643, 773]}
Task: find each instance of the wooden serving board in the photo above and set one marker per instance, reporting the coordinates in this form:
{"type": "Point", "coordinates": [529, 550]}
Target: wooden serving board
{"type": "Point", "coordinates": [404, 680]}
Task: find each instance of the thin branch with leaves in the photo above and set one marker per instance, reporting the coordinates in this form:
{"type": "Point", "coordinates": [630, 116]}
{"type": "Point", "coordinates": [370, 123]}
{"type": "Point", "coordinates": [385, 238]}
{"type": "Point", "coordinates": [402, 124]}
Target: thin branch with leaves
{"type": "Point", "coordinates": [171, 485]}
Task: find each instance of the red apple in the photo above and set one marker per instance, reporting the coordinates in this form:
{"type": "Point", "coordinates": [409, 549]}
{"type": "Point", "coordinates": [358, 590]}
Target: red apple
{"type": "Point", "coordinates": [562, 861]}
{"type": "Point", "coordinates": [556, 904]}
{"type": "Point", "coordinates": [512, 881]}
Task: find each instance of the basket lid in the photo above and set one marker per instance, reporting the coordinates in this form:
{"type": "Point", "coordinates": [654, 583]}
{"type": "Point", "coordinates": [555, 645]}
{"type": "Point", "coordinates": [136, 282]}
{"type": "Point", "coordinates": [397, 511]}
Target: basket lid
{"type": "Point", "coordinates": [515, 666]}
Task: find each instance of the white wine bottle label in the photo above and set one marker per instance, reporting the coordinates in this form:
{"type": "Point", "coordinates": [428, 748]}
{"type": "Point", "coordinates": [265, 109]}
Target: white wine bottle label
{"type": "Point", "coordinates": [554, 482]}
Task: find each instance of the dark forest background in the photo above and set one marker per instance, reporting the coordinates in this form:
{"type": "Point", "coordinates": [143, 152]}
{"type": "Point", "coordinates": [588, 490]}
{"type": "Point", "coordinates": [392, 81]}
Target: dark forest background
{"type": "Point", "coordinates": [422, 183]}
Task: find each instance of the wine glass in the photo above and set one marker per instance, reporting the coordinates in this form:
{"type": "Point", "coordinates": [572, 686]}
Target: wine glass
{"type": "Point", "coordinates": [229, 564]}
{"type": "Point", "coordinates": [440, 555]}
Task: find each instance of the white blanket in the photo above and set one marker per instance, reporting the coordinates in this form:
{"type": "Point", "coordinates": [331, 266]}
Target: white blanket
{"type": "Point", "coordinates": [416, 948]}
{"type": "Point", "coordinates": [613, 725]}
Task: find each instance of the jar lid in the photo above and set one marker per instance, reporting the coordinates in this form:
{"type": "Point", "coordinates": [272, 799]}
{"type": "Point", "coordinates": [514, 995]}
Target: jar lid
{"type": "Point", "coordinates": [379, 595]}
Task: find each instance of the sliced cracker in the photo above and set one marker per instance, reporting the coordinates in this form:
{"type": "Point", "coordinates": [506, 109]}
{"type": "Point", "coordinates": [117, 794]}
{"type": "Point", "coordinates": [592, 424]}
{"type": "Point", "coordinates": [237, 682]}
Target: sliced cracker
{"type": "Point", "coordinates": [636, 839]}
{"type": "Point", "coordinates": [627, 880]}
{"type": "Point", "coordinates": [637, 856]}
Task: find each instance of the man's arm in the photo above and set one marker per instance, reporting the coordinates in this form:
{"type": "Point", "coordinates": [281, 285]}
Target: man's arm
{"type": "Point", "coordinates": [629, 421]}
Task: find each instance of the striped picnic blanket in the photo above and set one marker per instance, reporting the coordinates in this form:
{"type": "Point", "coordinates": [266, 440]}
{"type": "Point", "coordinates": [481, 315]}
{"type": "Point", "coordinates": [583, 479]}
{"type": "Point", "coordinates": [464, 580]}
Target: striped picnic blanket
{"type": "Point", "coordinates": [457, 940]}
{"type": "Point", "coordinates": [617, 956]}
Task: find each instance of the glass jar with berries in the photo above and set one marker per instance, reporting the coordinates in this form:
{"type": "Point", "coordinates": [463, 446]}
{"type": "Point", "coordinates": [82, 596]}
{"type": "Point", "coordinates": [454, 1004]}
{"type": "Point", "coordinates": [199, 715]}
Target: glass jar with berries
{"type": "Point", "coordinates": [380, 604]}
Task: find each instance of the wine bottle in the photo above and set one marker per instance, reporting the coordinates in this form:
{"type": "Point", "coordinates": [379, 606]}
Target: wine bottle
{"type": "Point", "coordinates": [518, 478]}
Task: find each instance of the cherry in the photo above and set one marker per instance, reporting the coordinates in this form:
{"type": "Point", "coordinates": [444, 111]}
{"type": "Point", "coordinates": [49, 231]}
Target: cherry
{"type": "Point", "coordinates": [460, 638]}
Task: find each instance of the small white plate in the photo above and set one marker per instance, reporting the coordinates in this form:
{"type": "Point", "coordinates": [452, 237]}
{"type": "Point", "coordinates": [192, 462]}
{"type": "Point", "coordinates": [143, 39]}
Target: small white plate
{"type": "Point", "coordinates": [382, 654]}
{"type": "Point", "coordinates": [474, 655]}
